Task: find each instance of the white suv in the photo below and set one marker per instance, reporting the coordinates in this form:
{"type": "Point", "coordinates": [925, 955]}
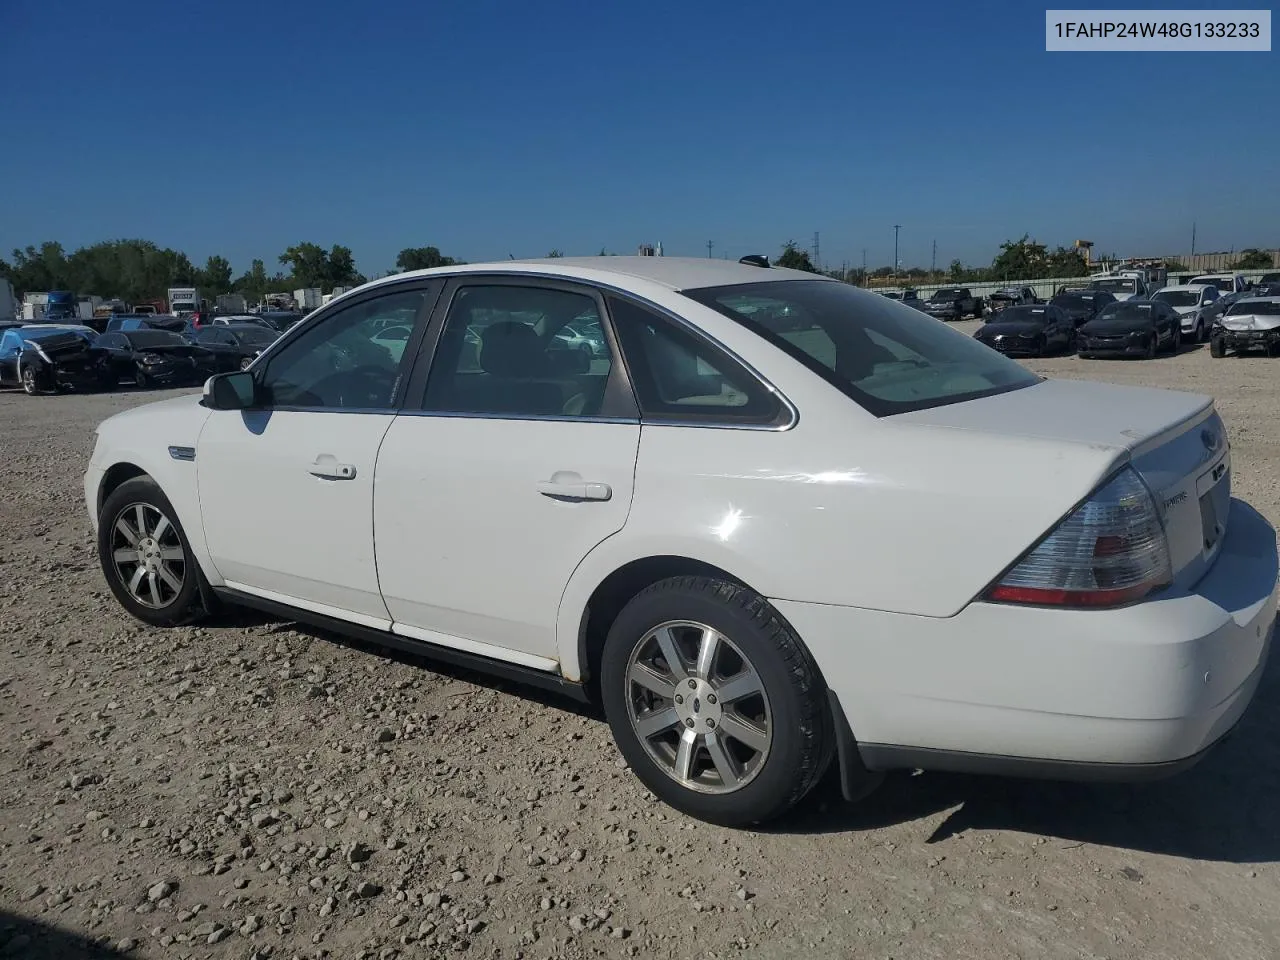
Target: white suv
{"type": "Point", "coordinates": [1198, 306]}
{"type": "Point", "coordinates": [774, 520]}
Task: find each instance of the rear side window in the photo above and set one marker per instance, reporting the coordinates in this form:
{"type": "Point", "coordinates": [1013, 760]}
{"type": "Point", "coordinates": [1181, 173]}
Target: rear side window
{"type": "Point", "coordinates": [680, 376]}
{"type": "Point", "coordinates": [887, 357]}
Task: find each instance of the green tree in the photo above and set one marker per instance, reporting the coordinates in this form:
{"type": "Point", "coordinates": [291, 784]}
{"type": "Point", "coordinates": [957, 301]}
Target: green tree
{"type": "Point", "coordinates": [1021, 259]}
{"type": "Point", "coordinates": [40, 269]}
{"type": "Point", "coordinates": [1176, 266]}
{"type": "Point", "coordinates": [311, 266]}
{"type": "Point", "coordinates": [956, 271]}
{"type": "Point", "coordinates": [254, 281]}
{"type": "Point", "coordinates": [342, 270]}
{"type": "Point", "coordinates": [793, 258]}
{"type": "Point", "coordinates": [216, 275]}
{"type": "Point", "coordinates": [555, 253]}
{"type": "Point", "coordinates": [422, 258]}
{"type": "Point", "coordinates": [1252, 258]}
{"type": "Point", "coordinates": [1066, 262]}
{"type": "Point", "coordinates": [308, 264]}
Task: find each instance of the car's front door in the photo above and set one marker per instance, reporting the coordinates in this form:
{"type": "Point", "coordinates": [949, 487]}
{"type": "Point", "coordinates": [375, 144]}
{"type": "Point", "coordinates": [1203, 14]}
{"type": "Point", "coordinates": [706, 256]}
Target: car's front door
{"type": "Point", "coordinates": [286, 489]}
{"type": "Point", "coordinates": [518, 461]}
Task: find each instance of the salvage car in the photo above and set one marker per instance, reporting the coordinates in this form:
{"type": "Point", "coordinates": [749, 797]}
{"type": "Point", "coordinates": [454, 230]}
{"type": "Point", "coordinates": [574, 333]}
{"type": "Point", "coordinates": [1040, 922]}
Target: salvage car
{"type": "Point", "coordinates": [235, 344]}
{"type": "Point", "coordinates": [1030, 331]}
{"type": "Point", "coordinates": [762, 550]}
{"type": "Point", "coordinates": [1082, 305]}
{"type": "Point", "coordinates": [1131, 328]}
{"type": "Point", "coordinates": [1249, 324]}
{"type": "Point", "coordinates": [155, 357]}
{"type": "Point", "coordinates": [953, 303]}
{"type": "Point", "coordinates": [909, 297]}
{"type": "Point", "coordinates": [1011, 297]}
{"type": "Point", "coordinates": [45, 357]}
{"type": "Point", "coordinates": [1198, 306]}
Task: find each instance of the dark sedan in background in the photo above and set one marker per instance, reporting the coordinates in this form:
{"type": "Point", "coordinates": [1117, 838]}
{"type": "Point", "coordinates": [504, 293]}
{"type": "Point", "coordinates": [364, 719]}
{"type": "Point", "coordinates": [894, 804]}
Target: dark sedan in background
{"type": "Point", "coordinates": [1082, 305]}
{"type": "Point", "coordinates": [151, 357]}
{"type": "Point", "coordinates": [237, 344]}
{"type": "Point", "coordinates": [1029, 331]}
{"type": "Point", "coordinates": [1131, 328]}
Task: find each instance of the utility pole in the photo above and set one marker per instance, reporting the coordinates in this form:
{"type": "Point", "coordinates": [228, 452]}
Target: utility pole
{"type": "Point", "coordinates": [817, 260]}
{"type": "Point", "coordinates": [896, 228]}
{"type": "Point", "coordinates": [710, 244]}
{"type": "Point", "coordinates": [933, 266]}
{"type": "Point", "coordinates": [1193, 238]}
{"type": "Point", "coordinates": [864, 265]}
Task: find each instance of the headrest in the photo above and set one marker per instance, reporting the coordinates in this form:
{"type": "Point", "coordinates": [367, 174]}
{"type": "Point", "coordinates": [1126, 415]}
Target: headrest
{"type": "Point", "coordinates": [509, 348]}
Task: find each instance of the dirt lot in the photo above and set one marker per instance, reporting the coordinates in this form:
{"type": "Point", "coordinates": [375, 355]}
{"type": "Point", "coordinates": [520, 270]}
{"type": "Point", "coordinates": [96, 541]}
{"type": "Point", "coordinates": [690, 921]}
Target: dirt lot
{"type": "Point", "coordinates": [249, 789]}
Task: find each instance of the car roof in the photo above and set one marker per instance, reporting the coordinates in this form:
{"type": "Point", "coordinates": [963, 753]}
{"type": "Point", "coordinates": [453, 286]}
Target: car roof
{"type": "Point", "coordinates": [55, 326]}
{"type": "Point", "coordinates": [233, 327]}
{"type": "Point", "coordinates": [1248, 300]}
{"type": "Point", "coordinates": [675, 273]}
{"type": "Point", "coordinates": [1192, 287]}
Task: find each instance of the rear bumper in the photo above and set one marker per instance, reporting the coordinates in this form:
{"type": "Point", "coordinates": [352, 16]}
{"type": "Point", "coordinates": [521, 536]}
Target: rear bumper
{"type": "Point", "coordinates": [1122, 694]}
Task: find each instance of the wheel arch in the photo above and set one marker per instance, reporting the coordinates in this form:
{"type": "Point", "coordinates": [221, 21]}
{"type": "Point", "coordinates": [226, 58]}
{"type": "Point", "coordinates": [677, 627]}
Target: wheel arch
{"type": "Point", "coordinates": [593, 600]}
{"type": "Point", "coordinates": [176, 479]}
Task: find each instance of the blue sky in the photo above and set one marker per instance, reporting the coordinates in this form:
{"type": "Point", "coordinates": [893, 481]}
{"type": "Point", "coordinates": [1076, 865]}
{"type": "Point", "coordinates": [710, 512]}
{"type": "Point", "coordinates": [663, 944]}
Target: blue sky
{"type": "Point", "coordinates": [488, 128]}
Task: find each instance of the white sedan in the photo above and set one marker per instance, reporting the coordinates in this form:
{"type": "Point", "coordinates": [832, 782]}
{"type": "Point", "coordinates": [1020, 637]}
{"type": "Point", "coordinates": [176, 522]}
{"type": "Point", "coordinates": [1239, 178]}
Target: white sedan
{"type": "Point", "coordinates": [780, 523]}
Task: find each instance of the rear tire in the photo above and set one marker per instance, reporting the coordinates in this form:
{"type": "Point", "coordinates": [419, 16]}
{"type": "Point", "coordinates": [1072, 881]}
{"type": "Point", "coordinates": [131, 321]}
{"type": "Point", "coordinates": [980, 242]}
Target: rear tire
{"type": "Point", "coordinates": [145, 556]}
{"type": "Point", "coordinates": [738, 730]}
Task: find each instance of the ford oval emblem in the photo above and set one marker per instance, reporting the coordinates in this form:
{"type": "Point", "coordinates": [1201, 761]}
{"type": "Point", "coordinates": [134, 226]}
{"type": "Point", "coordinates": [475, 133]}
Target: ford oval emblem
{"type": "Point", "coordinates": [1210, 439]}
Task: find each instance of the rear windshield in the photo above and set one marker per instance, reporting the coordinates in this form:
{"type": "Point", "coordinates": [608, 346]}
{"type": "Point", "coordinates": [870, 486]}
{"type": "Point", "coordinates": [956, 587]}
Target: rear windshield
{"type": "Point", "coordinates": [1035, 315]}
{"type": "Point", "coordinates": [153, 338]}
{"type": "Point", "coordinates": [1118, 285]}
{"type": "Point", "coordinates": [1256, 308]}
{"type": "Point", "coordinates": [947, 294]}
{"type": "Point", "coordinates": [888, 357]}
{"type": "Point", "coordinates": [1179, 298]}
{"type": "Point", "coordinates": [1127, 310]}
{"type": "Point", "coordinates": [1222, 283]}
{"type": "Point", "coordinates": [1073, 301]}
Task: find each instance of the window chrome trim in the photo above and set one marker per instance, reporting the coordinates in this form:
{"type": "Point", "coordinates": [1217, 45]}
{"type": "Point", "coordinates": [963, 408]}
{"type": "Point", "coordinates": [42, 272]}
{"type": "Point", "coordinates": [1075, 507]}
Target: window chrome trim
{"type": "Point", "coordinates": [793, 412]}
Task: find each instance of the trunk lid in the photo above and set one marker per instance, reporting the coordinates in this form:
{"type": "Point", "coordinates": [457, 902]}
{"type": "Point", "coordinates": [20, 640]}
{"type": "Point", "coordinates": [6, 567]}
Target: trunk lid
{"type": "Point", "coordinates": [1175, 441]}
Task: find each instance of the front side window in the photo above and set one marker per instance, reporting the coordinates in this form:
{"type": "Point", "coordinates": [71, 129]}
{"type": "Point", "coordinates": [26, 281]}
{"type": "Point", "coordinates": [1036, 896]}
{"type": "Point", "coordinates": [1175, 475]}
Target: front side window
{"type": "Point", "coordinates": [520, 351]}
{"type": "Point", "coordinates": [339, 363]}
{"type": "Point", "coordinates": [888, 358]}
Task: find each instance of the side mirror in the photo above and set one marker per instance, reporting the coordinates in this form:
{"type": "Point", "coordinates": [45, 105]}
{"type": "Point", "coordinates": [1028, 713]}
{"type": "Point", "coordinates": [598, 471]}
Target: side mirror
{"type": "Point", "coordinates": [230, 391]}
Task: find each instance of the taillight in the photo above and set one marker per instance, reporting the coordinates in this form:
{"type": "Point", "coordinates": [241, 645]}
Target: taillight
{"type": "Point", "coordinates": [1111, 550]}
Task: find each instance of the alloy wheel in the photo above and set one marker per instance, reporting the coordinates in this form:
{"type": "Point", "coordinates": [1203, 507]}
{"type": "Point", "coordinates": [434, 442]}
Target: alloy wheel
{"type": "Point", "coordinates": [29, 384]}
{"type": "Point", "coordinates": [699, 707]}
{"type": "Point", "coordinates": [148, 556]}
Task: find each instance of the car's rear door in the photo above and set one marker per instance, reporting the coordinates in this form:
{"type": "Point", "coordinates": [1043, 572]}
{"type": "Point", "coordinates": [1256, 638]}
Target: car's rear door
{"type": "Point", "coordinates": [286, 490]}
{"type": "Point", "coordinates": [511, 460]}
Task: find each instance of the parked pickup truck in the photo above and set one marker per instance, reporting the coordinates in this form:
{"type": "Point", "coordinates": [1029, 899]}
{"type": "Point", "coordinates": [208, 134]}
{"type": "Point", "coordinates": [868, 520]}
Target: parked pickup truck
{"type": "Point", "coordinates": [1011, 297]}
{"type": "Point", "coordinates": [953, 303]}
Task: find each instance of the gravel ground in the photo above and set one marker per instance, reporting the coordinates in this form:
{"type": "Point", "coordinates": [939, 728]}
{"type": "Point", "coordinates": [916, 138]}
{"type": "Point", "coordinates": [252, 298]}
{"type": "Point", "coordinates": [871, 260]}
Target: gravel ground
{"type": "Point", "coordinates": [250, 788]}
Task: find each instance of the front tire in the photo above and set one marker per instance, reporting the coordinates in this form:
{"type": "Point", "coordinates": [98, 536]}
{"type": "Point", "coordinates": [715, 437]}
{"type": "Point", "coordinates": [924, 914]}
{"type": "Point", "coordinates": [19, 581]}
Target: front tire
{"type": "Point", "coordinates": [1200, 334]}
{"type": "Point", "coordinates": [1217, 348]}
{"type": "Point", "coordinates": [715, 702]}
{"type": "Point", "coordinates": [30, 381]}
{"type": "Point", "coordinates": [1153, 347]}
{"type": "Point", "coordinates": [1176, 343]}
{"type": "Point", "coordinates": [145, 556]}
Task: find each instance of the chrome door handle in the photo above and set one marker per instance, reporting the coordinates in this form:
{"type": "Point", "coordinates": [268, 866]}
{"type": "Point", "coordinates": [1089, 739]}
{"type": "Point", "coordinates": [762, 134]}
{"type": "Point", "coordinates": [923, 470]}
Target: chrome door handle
{"type": "Point", "coordinates": [574, 491]}
{"type": "Point", "coordinates": [329, 469]}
